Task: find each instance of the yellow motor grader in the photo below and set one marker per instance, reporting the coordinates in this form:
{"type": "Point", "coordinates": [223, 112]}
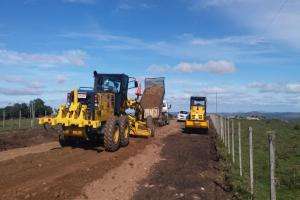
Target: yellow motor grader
{"type": "Point", "coordinates": [197, 116]}
{"type": "Point", "coordinates": [99, 113]}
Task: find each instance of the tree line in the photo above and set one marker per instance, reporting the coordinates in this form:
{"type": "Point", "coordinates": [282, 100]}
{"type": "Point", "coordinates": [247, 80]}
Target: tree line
{"type": "Point", "coordinates": [35, 108]}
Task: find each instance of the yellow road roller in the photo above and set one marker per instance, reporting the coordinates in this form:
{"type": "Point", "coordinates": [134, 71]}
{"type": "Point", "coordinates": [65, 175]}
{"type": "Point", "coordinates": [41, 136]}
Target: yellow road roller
{"type": "Point", "coordinates": [197, 115]}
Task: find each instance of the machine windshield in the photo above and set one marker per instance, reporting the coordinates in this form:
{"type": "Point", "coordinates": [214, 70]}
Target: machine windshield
{"type": "Point", "coordinates": [196, 102]}
{"type": "Point", "coordinates": [111, 85]}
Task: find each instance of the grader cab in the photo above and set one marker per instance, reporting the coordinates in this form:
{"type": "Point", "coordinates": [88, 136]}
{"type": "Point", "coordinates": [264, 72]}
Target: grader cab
{"type": "Point", "coordinates": [99, 113]}
{"type": "Point", "coordinates": [197, 116]}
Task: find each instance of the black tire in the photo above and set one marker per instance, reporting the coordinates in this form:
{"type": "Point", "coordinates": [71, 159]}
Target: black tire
{"type": "Point", "coordinates": [111, 140]}
{"type": "Point", "coordinates": [62, 140]}
{"type": "Point", "coordinates": [150, 125]}
{"type": "Point", "coordinates": [124, 130]}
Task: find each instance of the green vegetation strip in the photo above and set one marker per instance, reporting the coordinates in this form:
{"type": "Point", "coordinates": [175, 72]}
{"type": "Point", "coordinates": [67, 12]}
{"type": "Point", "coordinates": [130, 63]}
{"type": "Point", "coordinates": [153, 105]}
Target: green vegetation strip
{"type": "Point", "coordinates": [287, 160]}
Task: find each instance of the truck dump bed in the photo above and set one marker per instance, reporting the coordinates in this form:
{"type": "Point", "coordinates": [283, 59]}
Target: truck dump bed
{"type": "Point", "coordinates": [153, 96]}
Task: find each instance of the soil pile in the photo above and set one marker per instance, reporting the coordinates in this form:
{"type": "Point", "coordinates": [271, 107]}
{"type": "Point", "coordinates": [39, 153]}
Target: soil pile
{"type": "Point", "coordinates": [152, 97]}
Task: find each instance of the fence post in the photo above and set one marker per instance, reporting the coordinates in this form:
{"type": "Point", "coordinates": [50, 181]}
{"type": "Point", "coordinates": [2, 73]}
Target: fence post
{"type": "Point", "coordinates": [222, 129]}
{"type": "Point", "coordinates": [225, 131]}
{"type": "Point", "coordinates": [272, 165]}
{"type": "Point", "coordinates": [30, 111]}
{"type": "Point", "coordinates": [20, 115]}
{"type": "Point", "coordinates": [228, 135]}
{"type": "Point", "coordinates": [240, 149]}
{"type": "Point", "coordinates": [3, 117]}
{"type": "Point", "coordinates": [251, 160]}
{"type": "Point", "coordinates": [232, 139]}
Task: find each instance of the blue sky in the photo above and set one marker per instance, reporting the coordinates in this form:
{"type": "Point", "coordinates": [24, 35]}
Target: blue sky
{"type": "Point", "coordinates": [246, 51]}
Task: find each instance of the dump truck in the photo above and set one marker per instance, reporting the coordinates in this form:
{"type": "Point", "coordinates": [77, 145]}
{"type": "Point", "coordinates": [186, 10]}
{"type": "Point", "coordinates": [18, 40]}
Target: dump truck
{"type": "Point", "coordinates": [197, 116]}
{"type": "Point", "coordinates": [99, 114]}
{"type": "Point", "coordinates": [152, 101]}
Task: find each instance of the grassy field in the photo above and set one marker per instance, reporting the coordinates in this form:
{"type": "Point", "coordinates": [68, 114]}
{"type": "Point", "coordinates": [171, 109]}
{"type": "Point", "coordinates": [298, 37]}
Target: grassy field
{"type": "Point", "coordinates": [287, 160]}
{"type": "Point", "coordinates": [13, 124]}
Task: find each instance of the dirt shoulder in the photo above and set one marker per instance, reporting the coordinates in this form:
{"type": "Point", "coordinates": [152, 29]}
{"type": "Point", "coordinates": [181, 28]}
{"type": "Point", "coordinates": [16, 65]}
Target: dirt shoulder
{"type": "Point", "coordinates": [189, 169]}
{"type": "Point", "coordinates": [19, 138]}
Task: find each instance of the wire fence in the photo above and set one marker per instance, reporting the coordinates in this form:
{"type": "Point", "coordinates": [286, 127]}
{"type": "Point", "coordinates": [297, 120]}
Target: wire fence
{"type": "Point", "coordinates": [19, 123]}
{"type": "Point", "coordinates": [257, 158]}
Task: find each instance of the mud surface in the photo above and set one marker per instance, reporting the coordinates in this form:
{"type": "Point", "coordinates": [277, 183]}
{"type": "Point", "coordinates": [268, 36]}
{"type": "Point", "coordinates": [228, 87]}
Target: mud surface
{"type": "Point", "coordinates": [59, 173]}
{"type": "Point", "coordinates": [25, 137]}
{"type": "Point", "coordinates": [172, 165]}
{"type": "Point", "coordinates": [188, 170]}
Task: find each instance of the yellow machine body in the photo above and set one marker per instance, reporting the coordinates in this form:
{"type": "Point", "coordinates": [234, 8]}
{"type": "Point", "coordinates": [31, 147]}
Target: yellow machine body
{"type": "Point", "coordinates": [197, 116]}
{"type": "Point", "coordinates": [74, 119]}
{"type": "Point", "coordinates": [138, 127]}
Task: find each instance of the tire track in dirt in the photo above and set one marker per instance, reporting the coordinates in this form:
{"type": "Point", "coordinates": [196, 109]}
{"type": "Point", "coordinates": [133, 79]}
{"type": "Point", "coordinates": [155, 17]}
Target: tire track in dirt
{"type": "Point", "coordinates": [59, 173]}
{"type": "Point", "coordinates": [13, 153]}
{"type": "Point", "coordinates": [121, 182]}
{"type": "Point", "coordinates": [62, 173]}
{"type": "Point", "coordinates": [189, 170]}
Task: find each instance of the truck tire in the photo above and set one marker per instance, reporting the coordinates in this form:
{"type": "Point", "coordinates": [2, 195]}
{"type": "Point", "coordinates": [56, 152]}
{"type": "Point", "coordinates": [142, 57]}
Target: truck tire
{"type": "Point", "coordinates": [112, 134]}
{"type": "Point", "coordinates": [150, 126]}
{"type": "Point", "coordinates": [124, 130]}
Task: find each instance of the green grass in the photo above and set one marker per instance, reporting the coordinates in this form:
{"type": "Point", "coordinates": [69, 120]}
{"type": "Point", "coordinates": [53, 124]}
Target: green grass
{"type": "Point", "coordinates": [13, 124]}
{"type": "Point", "coordinates": [287, 160]}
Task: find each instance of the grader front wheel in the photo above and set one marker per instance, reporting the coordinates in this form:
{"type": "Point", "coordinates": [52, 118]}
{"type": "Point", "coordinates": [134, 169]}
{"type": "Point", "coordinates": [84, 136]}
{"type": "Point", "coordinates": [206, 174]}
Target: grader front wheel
{"type": "Point", "coordinates": [124, 130]}
{"type": "Point", "coordinates": [112, 134]}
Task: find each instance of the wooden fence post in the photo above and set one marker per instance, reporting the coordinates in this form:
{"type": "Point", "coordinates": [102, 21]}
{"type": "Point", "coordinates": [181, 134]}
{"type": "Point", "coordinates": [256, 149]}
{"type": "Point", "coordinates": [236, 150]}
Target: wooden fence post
{"type": "Point", "coordinates": [20, 115]}
{"type": "Point", "coordinates": [251, 161]}
{"type": "Point", "coordinates": [222, 129]}
{"type": "Point", "coordinates": [232, 139]}
{"type": "Point", "coordinates": [225, 131]}
{"type": "Point", "coordinates": [272, 165]}
{"type": "Point", "coordinates": [240, 149]}
{"type": "Point", "coordinates": [3, 118]}
{"type": "Point", "coordinates": [228, 135]}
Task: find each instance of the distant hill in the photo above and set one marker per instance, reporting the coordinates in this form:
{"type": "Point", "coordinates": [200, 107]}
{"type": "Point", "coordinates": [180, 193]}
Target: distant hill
{"type": "Point", "coordinates": [268, 115]}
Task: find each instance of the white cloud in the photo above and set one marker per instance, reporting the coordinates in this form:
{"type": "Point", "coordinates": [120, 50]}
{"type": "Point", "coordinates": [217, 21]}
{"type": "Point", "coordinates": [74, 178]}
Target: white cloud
{"type": "Point", "coordinates": [214, 67]}
{"type": "Point", "coordinates": [237, 98]}
{"type": "Point", "coordinates": [80, 1]}
{"type": "Point", "coordinates": [232, 40]}
{"type": "Point", "coordinates": [20, 91]}
{"type": "Point", "coordinates": [276, 20]}
{"type": "Point", "coordinates": [68, 58]}
{"type": "Point", "coordinates": [159, 68]}
{"type": "Point", "coordinates": [129, 5]}
{"type": "Point", "coordinates": [14, 79]}
{"type": "Point", "coordinates": [276, 87]}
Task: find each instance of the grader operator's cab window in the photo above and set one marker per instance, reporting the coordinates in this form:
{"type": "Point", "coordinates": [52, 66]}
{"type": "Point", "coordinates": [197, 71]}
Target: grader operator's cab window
{"type": "Point", "coordinates": [110, 85]}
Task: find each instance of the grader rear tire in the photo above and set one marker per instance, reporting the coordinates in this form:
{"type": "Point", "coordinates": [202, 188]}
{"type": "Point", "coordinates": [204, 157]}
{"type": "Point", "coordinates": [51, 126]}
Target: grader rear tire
{"type": "Point", "coordinates": [150, 126]}
{"type": "Point", "coordinates": [124, 130]}
{"type": "Point", "coordinates": [112, 134]}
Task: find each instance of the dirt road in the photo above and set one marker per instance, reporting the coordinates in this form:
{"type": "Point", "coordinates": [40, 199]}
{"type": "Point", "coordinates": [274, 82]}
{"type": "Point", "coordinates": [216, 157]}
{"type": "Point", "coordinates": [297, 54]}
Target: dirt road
{"type": "Point", "coordinates": [171, 165]}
